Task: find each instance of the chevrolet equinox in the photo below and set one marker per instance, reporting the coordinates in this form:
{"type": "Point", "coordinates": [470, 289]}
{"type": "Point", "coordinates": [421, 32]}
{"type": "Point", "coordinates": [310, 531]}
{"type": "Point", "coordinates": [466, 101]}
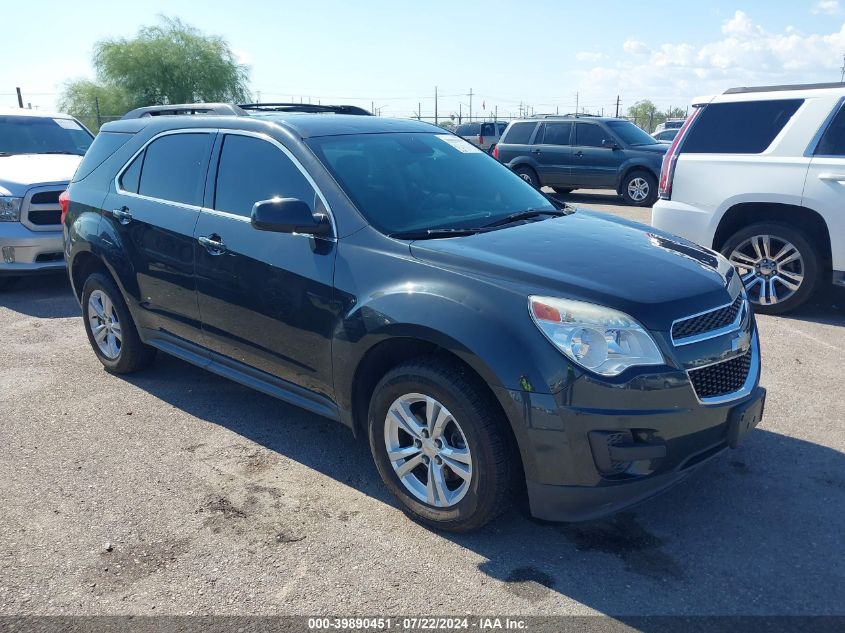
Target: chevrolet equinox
{"type": "Point", "coordinates": [487, 340]}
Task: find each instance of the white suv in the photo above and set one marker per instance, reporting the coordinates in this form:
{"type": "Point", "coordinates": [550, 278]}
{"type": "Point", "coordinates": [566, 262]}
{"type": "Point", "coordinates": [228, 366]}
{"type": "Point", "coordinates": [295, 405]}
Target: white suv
{"type": "Point", "coordinates": [759, 175]}
{"type": "Point", "coordinates": [38, 154]}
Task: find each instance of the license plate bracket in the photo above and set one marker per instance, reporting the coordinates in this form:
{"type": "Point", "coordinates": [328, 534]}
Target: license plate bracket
{"type": "Point", "coordinates": [745, 417]}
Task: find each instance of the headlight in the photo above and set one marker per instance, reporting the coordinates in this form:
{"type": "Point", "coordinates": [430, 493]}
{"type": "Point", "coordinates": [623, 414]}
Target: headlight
{"type": "Point", "coordinates": [602, 340]}
{"type": "Point", "coordinates": [10, 209]}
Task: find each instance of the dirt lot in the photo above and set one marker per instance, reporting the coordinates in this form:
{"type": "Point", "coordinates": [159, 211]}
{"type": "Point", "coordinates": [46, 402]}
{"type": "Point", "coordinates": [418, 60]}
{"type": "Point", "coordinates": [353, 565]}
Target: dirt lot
{"type": "Point", "coordinates": [175, 491]}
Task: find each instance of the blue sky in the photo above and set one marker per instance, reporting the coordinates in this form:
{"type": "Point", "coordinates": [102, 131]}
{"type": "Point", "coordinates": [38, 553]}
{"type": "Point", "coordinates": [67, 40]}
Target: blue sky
{"type": "Point", "coordinates": [394, 53]}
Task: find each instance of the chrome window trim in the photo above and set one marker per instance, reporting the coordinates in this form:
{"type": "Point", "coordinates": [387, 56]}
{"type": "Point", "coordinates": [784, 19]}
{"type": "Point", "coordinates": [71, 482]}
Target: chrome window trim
{"type": "Point", "coordinates": [810, 152]}
{"type": "Point", "coordinates": [748, 385]}
{"type": "Point", "coordinates": [735, 325]}
{"type": "Point", "coordinates": [265, 137]}
{"type": "Point", "coordinates": [226, 214]}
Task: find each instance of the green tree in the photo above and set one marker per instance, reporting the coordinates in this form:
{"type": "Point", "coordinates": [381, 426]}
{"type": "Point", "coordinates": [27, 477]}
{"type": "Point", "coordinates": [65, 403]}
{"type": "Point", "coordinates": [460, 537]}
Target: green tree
{"type": "Point", "coordinates": [170, 62]}
{"type": "Point", "coordinates": [646, 115]}
{"type": "Point", "coordinates": [446, 124]}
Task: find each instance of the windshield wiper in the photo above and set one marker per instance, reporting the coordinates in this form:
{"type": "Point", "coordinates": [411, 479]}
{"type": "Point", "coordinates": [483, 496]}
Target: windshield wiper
{"type": "Point", "coordinates": [428, 234]}
{"type": "Point", "coordinates": [525, 215]}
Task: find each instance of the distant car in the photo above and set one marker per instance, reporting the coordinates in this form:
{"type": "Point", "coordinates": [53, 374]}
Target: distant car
{"type": "Point", "coordinates": [483, 135]}
{"type": "Point", "coordinates": [670, 124]}
{"type": "Point", "coordinates": [666, 136]}
{"type": "Point", "coordinates": [38, 154]}
{"type": "Point", "coordinates": [758, 174]}
{"type": "Point", "coordinates": [572, 152]}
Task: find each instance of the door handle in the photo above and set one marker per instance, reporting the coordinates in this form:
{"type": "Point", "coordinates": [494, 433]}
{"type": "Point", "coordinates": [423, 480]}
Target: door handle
{"type": "Point", "coordinates": [834, 177]}
{"type": "Point", "coordinates": [122, 215]}
{"type": "Point", "coordinates": [535, 151]}
{"type": "Point", "coordinates": [213, 244]}
{"type": "Point", "coordinates": [579, 154]}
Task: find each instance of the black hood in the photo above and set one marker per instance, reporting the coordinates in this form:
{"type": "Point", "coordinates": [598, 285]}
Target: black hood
{"type": "Point", "coordinates": [651, 275]}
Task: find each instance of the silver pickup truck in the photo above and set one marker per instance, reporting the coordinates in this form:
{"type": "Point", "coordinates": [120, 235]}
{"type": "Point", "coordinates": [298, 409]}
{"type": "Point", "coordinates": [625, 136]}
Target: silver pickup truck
{"type": "Point", "coordinates": [39, 153]}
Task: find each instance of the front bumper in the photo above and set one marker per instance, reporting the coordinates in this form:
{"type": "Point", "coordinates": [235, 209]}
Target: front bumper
{"type": "Point", "coordinates": [597, 447]}
{"type": "Point", "coordinates": [24, 252]}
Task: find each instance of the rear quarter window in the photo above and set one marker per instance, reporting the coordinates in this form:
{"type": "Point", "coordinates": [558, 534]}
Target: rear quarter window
{"type": "Point", "coordinates": [747, 127]}
{"type": "Point", "coordinates": [104, 145]}
{"type": "Point", "coordinates": [468, 129]}
{"type": "Point", "coordinates": [519, 133]}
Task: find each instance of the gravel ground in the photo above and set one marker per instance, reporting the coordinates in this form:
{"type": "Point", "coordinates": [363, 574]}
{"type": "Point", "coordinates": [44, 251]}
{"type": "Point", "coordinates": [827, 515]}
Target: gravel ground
{"type": "Point", "coordinates": [175, 491]}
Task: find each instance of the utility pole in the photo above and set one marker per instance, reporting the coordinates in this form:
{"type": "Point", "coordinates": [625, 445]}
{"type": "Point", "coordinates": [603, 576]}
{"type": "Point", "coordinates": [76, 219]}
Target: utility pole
{"type": "Point", "coordinates": [496, 116]}
{"type": "Point", "coordinates": [617, 106]}
{"type": "Point", "coordinates": [577, 97]}
{"type": "Point", "coordinates": [20, 98]}
{"type": "Point", "coordinates": [470, 105]}
{"type": "Point", "coordinates": [842, 77]}
{"type": "Point", "coordinates": [460, 112]}
{"type": "Point", "coordinates": [419, 111]}
{"type": "Point", "coordinates": [97, 108]}
{"type": "Point", "coordinates": [435, 105]}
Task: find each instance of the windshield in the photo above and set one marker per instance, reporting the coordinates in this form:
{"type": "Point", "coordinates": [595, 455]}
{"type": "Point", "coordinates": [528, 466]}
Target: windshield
{"type": "Point", "coordinates": [42, 135]}
{"type": "Point", "coordinates": [630, 133]}
{"type": "Point", "coordinates": [404, 182]}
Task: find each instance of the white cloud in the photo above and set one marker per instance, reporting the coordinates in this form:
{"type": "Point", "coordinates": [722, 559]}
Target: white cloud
{"type": "Point", "coordinates": [743, 54]}
{"type": "Point", "coordinates": [589, 56]}
{"type": "Point", "coordinates": [635, 47]}
{"type": "Point", "coordinates": [830, 7]}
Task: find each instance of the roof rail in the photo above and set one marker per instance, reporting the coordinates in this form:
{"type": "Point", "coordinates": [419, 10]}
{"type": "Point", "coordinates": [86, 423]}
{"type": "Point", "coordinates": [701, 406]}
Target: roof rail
{"type": "Point", "coordinates": [219, 109]}
{"type": "Point", "coordinates": [312, 108]}
{"type": "Point", "coordinates": [741, 90]}
{"type": "Point", "coordinates": [570, 115]}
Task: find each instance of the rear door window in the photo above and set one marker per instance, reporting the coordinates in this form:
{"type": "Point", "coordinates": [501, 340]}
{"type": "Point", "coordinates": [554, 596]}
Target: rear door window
{"type": "Point", "coordinates": [251, 170]}
{"type": "Point", "coordinates": [488, 129]}
{"type": "Point", "coordinates": [175, 166]}
{"type": "Point", "coordinates": [832, 142]}
{"type": "Point", "coordinates": [746, 127]}
{"type": "Point", "coordinates": [519, 133]}
{"type": "Point", "coordinates": [557, 133]}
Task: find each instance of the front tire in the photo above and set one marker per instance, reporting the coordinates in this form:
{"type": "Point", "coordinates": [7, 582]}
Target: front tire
{"type": "Point", "coordinates": [441, 445]}
{"type": "Point", "coordinates": [779, 265]}
{"type": "Point", "coordinates": [639, 189]}
{"type": "Point", "coordinates": [110, 328]}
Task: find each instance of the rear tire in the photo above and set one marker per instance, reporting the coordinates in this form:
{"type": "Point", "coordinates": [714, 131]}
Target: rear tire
{"type": "Point", "coordinates": [639, 189]}
{"type": "Point", "coordinates": [784, 264]}
{"type": "Point", "coordinates": [528, 175]}
{"type": "Point", "coordinates": [110, 328]}
{"type": "Point", "coordinates": [427, 390]}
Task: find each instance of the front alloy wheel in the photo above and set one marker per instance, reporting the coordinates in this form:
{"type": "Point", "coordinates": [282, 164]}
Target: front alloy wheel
{"type": "Point", "coordinates": [428, 450]}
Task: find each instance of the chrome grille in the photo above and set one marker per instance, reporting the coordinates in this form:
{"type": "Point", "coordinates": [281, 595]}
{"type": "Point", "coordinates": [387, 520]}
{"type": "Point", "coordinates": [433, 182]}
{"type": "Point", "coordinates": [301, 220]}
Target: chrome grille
{"type": "Point", "coordinates": [707, 323]}
{"type": "Point", "coordinates": [721, 378]}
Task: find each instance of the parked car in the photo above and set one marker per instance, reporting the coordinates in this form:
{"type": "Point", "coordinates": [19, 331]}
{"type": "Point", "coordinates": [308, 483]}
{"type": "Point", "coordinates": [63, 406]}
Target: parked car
{"type": "Point", "coordinates": [570, 152]}
{"type": "Point", "coordinates": [38, 154]}
{"type": "Point", "coordinates": [669, 124]}
{"type": "Point", "coordinates": [393, 277]}
{"type": "Point", "coordinates": [666, 136]}
{"type": "Point", "coordinates": [777, 156]}
{"type": "Point", "coordinates": [483, 135]}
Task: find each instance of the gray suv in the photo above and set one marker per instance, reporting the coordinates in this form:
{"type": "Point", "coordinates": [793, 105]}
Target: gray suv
{"type": "Point", "coordinates": [573, 152]}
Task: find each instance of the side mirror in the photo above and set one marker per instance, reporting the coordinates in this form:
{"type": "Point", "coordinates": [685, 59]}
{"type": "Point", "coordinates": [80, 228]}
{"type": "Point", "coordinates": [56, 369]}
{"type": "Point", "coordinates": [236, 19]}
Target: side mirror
{"type": "Point", "coordinates": [609, 144]}
{"type": "Point", "coordinates": [288, 215]}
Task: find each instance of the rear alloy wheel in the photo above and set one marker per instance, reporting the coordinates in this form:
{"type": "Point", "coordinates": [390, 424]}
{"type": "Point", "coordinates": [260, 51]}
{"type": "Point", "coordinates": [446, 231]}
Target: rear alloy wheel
{"type": "Point", "coordinates": [110, 328]}
{"type": "Point", "coordinates": [441, 445]}
{"type": "Point", "coordinates": [528, 175]}
{"type": "Point", "coordinates": [777, 263]}
{"type": "Point", "coordinates": [640, 189]}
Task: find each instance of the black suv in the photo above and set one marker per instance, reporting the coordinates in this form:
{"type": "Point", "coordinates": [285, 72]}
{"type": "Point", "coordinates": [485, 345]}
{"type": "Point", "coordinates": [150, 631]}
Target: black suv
{"type": "Point", "coordinates": [395, 278]}
{"type": "Point", "coordinates": [573, 152]}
